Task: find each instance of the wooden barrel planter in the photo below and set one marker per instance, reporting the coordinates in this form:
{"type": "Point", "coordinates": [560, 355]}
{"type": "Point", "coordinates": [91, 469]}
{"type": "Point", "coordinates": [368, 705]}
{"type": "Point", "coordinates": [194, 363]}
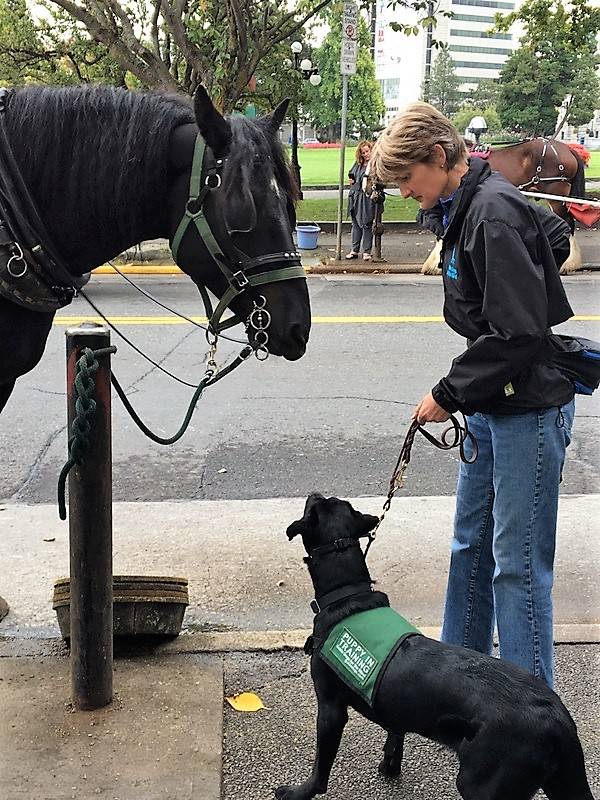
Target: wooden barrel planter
{"type": "Point", "coordinates": [143, 605]}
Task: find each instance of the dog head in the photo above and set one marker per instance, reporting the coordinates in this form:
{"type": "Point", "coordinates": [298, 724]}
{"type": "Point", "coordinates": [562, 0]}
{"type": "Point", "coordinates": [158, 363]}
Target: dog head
{"type": "Point", "coordinates": [327, 519]}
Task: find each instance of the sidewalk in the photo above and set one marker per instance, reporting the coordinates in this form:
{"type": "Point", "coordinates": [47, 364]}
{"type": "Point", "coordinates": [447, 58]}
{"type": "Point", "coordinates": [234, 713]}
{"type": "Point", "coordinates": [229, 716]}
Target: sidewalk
{"type": "Point", "coordinates": [404, 248]}
{"type": "Point", "coordinates": [166, 735]}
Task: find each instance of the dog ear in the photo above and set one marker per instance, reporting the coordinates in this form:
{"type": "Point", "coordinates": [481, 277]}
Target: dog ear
{"type": "Point", "coordinates": [296, 528]}
{"type": "Point", "coordinates": [302, 526]}
{"type": "Point", "coordinates": [367, 523]}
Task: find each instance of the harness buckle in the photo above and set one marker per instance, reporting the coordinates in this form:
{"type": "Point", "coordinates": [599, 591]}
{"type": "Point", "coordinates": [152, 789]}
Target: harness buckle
{"type": "Point", "coordinates": [239, 280]}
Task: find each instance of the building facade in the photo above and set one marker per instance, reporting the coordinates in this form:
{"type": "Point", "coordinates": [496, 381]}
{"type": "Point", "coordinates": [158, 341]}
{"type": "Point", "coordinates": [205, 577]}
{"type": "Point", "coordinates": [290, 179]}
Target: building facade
{"type": "Point", "coordinates": [400, 60]}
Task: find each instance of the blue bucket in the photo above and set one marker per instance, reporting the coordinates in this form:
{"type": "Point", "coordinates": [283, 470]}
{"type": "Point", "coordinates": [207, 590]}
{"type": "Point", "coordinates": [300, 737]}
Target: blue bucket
{"type": "Point", "coordinates": [307, 236]}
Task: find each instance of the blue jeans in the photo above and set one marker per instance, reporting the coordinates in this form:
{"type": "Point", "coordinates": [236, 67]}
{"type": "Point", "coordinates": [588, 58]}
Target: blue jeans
{"type": "Point", "coordinates": [502, 561]}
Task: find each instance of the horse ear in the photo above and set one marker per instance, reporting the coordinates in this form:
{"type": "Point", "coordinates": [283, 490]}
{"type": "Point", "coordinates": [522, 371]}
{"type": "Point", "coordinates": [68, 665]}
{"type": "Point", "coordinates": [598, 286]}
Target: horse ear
{"type": "Point", "coordinates": [213, 127]}
{"type": "Point", "coordinates": [272, 122]}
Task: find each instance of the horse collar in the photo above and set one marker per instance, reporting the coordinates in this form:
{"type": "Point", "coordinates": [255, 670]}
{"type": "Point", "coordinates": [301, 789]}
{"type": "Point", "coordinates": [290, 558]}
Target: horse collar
{"type": "Point", "coordinates": [241, 272]}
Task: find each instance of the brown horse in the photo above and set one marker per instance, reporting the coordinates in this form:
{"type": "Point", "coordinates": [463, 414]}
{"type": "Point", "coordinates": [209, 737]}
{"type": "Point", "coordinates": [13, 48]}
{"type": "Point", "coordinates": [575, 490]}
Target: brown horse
{"type": "Point", "coordinates": [537, 165]}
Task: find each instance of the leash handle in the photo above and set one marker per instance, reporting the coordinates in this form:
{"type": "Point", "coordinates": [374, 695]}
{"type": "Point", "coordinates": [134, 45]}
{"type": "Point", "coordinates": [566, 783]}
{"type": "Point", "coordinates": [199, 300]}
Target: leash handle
{"type": "Point", "coordinates": [461, 434]}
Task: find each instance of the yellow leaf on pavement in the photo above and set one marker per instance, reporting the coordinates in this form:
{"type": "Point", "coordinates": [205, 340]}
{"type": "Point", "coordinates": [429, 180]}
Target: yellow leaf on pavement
{"type": "Point", "coordinates": [246, 701]}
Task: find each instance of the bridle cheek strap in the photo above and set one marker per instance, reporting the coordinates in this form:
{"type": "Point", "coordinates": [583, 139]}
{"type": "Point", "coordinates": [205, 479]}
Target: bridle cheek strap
{"type": "Point", "coordinates": [239, 273]}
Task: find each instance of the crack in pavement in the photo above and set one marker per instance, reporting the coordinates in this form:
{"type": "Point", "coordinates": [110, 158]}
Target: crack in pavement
{"type": "Point", "coordinates": [37, 461]}
{"type": "Point", "coordinates": [328, 397]}
{"type": "Point", "coordinates": [160, 361]}
{"type": "Point", "coordinates": [45, 391]}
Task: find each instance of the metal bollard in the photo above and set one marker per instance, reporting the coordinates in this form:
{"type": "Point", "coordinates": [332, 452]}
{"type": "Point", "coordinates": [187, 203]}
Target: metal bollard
{"type": "Point", "coordinates": [90, 535]}
{"type": "Point", "coordinates": [378, 225]}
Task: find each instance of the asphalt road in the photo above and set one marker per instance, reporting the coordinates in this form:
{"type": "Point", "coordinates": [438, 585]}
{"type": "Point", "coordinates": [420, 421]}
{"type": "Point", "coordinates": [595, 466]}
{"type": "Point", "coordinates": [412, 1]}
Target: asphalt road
{"type": "Point", "coordinates": [333, 421]}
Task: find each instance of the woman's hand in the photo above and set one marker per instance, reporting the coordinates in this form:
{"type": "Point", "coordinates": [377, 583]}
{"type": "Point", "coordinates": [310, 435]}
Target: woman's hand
{"type": "Point", "coordinates": [430, 411]}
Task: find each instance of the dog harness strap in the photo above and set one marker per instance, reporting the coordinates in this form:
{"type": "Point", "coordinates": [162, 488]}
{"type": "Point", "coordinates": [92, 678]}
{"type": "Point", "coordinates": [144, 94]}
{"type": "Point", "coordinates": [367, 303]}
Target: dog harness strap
{"type": "Point", "coordinates": [360, 647]}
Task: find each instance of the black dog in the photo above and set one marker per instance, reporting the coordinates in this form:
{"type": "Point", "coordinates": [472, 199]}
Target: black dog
{"type": "Point", "coordinates": [512, 734]}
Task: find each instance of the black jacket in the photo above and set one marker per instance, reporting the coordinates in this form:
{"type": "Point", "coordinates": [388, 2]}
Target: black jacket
{"type": "Point", "coordinates": [502, 293]}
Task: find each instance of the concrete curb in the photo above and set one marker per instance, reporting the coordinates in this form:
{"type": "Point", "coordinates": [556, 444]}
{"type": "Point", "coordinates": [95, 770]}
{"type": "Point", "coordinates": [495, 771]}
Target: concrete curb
{"type": "Point", "coordinates": [246, 642]}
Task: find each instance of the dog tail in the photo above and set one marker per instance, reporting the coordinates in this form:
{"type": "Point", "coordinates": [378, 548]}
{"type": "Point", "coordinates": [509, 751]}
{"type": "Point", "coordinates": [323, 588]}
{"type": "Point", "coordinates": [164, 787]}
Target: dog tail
{"type": "Point", "coordinates": [569, 780]}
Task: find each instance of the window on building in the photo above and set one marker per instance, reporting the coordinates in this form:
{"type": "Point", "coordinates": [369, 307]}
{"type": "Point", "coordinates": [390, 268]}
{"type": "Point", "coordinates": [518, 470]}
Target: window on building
{"type": "Point", "coordinates": [467, 48]}
{"type": "Point", "coordinates": [483, 3]}
{"type": "Point", "coordinates": [479, 34]}
{"type": "Point", "coordinates": [390, 88]}
{"type": "Point", "coordinates": [472, 18]}
{"type": "Point", "coordinates": [477, 65]}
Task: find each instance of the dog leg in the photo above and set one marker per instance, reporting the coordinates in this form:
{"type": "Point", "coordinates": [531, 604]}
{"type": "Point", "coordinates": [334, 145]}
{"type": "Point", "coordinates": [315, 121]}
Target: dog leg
{"type": "Point", "coordinates": [331, 719]}
{"type": "Point", "coordinates": [393, 750]}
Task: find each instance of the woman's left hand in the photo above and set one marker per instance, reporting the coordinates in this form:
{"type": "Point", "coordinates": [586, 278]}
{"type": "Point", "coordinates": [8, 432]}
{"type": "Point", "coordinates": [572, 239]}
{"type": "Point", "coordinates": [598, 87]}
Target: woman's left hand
{"type": "Point", "coordinates": [430, 411]}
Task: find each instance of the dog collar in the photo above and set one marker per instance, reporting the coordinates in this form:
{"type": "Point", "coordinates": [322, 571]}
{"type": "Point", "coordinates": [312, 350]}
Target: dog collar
{"type": "Point", "coordinates": [337, 546]}
{"type": "Point", "coordinates": [323, 601]}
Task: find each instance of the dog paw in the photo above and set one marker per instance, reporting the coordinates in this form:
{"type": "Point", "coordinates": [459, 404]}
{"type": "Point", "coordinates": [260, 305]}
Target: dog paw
{"type": "Point", "coordinates": [293, 793]}
{"type": "Point", "coordinates": [390, 767]}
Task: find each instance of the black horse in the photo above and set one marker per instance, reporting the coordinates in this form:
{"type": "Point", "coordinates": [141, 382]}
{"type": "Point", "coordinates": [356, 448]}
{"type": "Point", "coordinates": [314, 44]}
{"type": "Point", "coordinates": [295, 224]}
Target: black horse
{"type": "Point", "coordinates": [106, 168]}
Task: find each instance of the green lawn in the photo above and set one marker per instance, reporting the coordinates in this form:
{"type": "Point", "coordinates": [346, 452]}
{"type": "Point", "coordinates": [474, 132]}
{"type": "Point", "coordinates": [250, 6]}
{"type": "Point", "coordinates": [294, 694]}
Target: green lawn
{"type": "Point", "coordinates": [593, 170]}
{"type": "Point", "coordinates": [322, 167]}
{"type": "Point", "coordinates": [396, 210]}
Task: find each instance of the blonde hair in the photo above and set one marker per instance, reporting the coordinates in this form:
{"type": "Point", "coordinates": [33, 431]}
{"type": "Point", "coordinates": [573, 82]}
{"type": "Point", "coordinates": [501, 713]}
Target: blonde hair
{"type": "Point", "coordinates": [410, 137]}
{"type": "Point", "coordinates": [358, 157]}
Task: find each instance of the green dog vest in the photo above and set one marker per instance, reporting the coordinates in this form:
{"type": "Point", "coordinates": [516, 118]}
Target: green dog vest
{"type": "Point", "coordinates": [360, 647]}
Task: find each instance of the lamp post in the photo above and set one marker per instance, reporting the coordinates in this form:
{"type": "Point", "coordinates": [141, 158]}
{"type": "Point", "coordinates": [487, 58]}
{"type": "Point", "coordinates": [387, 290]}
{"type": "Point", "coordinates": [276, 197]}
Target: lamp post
{"type": "Point", "coordinates": [477, 126]}
{"type": "Point", "coordinates": [309, 73]}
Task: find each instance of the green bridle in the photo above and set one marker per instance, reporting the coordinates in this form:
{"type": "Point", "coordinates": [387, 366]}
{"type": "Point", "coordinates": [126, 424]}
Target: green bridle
{"type": "Point", "coordinates": [241, 272]}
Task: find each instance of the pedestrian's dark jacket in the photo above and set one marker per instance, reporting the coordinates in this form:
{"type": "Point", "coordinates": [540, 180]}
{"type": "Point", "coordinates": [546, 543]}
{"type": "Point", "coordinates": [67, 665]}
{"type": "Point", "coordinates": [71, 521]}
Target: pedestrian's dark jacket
{"type": "Point", "coordinates": [360, 205]}
{"type": "Point", "coordinates": [503, 293]}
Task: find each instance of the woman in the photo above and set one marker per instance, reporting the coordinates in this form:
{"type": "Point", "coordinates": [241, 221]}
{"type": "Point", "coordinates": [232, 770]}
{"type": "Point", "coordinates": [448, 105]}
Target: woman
{"type": "Point", "coordinates": [502, 293]}
{"type": "Point", "coordinates": [360, 206]}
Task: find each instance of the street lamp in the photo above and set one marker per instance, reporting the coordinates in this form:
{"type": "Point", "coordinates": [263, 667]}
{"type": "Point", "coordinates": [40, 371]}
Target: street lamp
{"type": "Point", "coordinates": [309, 73]}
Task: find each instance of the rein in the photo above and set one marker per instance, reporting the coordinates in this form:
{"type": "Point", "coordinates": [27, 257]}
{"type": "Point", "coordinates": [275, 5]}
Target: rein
{"type": "Point", "coordinates": [461, 435]}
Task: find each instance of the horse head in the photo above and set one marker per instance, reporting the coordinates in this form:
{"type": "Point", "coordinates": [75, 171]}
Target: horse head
{"type": "Point", "coordinates": [231, 221]}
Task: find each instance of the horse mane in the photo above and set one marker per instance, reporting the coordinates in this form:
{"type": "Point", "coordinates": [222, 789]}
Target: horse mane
{"type": "Point", "coordinates": [55, 132]}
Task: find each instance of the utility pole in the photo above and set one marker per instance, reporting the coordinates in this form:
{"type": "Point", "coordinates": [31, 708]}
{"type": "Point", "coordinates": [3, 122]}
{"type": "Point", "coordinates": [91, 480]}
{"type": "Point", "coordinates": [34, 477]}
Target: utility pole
{"type": "Point", "coordinates": [347, 67]}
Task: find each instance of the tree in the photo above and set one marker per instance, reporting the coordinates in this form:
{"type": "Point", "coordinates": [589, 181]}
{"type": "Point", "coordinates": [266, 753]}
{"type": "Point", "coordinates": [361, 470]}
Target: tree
{"type": "Point", "coordinates": [579, 107]}
{"type": "Point", "coordinates": [557, 45]}
{"type": "Point", "coordinates": [485, 94]}
{"type": "Point", "coordinates": [50, 49]}
{"type": "Point", "coordinates": [442, 88]}
{"type": "Point", "coordinates": [365, 102]}
{"type": "Point", "coordinates": [173, 44]}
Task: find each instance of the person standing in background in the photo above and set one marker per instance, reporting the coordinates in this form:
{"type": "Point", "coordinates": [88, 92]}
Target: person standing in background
{"type": "Point", "coordinates": [361, 208]}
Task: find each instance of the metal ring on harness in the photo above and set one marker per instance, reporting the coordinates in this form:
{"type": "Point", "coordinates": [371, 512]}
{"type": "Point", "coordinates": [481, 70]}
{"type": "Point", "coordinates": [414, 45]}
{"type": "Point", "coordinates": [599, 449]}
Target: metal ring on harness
{"type": "Point", "coordinates": [207, 181]}
{"type": "Point", "coordinates": [17, 257]}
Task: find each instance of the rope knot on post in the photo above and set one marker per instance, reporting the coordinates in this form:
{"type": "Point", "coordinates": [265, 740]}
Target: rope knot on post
{"type": "Point", "coordinates": [85, 407]}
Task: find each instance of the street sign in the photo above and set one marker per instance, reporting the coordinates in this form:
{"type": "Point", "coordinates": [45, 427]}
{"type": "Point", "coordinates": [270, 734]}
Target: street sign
{"type": "Point", "coordinates": [348, 57]}
{"type": "Point", "coordinates": [349, 48]}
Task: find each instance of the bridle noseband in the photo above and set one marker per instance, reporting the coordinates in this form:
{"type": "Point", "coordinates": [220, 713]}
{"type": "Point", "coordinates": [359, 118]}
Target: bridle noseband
{"type": "Point", "coordinates": [241, 272]}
